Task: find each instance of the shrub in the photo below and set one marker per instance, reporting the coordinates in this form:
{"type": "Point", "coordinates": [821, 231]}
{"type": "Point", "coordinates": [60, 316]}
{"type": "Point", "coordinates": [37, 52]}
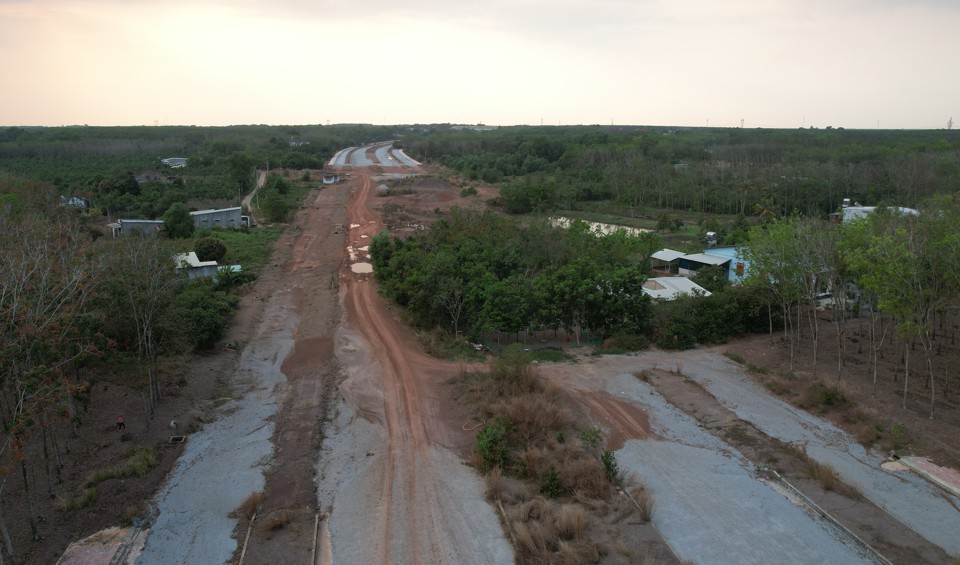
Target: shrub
{"type": "Point", "coordinates": [491, 444]}
{"type": "Point", "coordinates": [551, 485]}
{"type": "Point", "coordinates": [210, 249]}
{"type": "Point", "coordinates": [610, 466]}
{"type": "Point", "coordinates": [591, 437]}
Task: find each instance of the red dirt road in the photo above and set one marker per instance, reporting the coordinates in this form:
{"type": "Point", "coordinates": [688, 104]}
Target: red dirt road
{"type": "Point", "coordinates": [422, 505]}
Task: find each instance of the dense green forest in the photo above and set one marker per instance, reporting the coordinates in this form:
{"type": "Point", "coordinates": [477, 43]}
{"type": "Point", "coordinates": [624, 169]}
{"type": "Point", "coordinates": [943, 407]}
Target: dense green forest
{"type": "Point", "coordinates": [702, 170]}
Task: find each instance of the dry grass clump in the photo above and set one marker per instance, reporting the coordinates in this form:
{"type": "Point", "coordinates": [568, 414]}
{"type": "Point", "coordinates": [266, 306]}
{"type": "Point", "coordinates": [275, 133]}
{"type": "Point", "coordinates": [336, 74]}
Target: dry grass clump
{"type": "Point", "coordinates": [532, 461]}
{"type": "Point", "coordinates": [249, 506]}
{"type": "Point", "coordinates": [824, 474]}
{"type": "Point", "coordinates": [547, 532]}
{"type": "Point", "coordinates": [494, 482]}
{"type": "Point", "coordinates": [645, 503]}
{"type": "Point", "coordinates": [511, 374]}
{"type": "Point", "coordinates": [585, 475]}
{"type": "Point", "coordinates": [571, 522]}
{"type": "Point", "coordinates": [643, 375]}
{"type": "Point", "coordinates": [275, 520]}
{"type": "Point", "coordinates": [532, 415]}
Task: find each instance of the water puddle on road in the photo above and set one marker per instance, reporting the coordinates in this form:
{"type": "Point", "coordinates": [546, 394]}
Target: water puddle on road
{"type": "Point", "coordinates": [361, 268]}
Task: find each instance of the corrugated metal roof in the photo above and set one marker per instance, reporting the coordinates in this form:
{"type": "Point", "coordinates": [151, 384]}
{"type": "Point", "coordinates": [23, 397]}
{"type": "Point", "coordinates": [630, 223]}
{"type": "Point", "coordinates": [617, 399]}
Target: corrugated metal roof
{"type": "Point", "coordinates": [707, 259]}
{"type": "Point", "coordinates": [668, 288]}
{"type": "Point", "coordinates": [668, 255]}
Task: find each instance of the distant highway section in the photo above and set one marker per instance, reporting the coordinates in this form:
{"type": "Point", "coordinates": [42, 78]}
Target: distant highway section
{"type": "Point", "coordinates": [384, 155]}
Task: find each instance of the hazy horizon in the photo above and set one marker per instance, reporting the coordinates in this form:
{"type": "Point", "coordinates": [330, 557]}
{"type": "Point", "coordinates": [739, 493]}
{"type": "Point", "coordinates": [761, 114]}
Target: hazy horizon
{"type": "Point", "coordinates": [856, 64]}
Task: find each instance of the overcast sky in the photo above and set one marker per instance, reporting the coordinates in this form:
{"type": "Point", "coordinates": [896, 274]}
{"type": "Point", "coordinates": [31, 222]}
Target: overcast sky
{"type": "Point", "coordinates": [770, 63]}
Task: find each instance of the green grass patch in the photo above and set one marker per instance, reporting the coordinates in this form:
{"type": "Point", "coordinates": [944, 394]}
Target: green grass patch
{"type": "Point", "coordinates": [250, 248]}
{"type": "Point", "coordinates": [734, 357]}
{"type": "Point", "coordinates": [761, 369]}
{"type": "Point", "coordinates": [548, 356]}
{"type": "Point", "coordinates": [139, 461]}
{"type": "Point", "coordinates": [85, 499]}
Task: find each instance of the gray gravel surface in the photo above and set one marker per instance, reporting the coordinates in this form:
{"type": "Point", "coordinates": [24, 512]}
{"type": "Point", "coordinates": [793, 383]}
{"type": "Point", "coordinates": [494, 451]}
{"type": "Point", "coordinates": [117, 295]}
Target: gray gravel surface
{"type": "Point", "coordinates": [404, 158]}
{"type": "Point", "coordinates": [221, 464]}
{"type": "Point", "coordinates": [931, 512]}
{"type": "Point", "coordinates": [710, 506]}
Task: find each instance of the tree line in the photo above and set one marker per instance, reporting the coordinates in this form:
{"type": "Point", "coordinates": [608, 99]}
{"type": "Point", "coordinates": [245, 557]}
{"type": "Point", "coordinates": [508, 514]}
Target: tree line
{"type": "Point", "coordinates": [102, 164]}
{"type": "Point", "coordinates": [703, 170]}
{"type": "Point", "coordinates": [896, 272]}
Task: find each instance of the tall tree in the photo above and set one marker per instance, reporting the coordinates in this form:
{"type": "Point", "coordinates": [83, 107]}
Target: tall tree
{"type": "Point", "coordinates": [143, 278]}
{"type": "Point", "coordinates": [177, 221]}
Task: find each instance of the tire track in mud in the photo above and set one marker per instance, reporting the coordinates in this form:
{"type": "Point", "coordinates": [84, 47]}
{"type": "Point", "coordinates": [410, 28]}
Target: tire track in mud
{"type": "Point", "coordinates": [401, 405]}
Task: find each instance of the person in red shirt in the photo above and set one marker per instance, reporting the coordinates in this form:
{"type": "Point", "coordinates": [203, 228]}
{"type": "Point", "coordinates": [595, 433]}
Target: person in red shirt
{"type": "Point", "coordinates": [120, 424]}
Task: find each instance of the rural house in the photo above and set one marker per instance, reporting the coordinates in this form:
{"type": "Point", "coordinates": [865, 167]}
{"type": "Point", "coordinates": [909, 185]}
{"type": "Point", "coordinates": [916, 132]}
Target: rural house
{"type": "Point", "coordinates": [220, 218]}
{"type": "Point", "coordinates": [140, 227]}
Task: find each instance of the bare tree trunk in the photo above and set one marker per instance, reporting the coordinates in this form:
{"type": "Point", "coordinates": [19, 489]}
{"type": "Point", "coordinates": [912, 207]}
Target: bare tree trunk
{"type": "Point", "coordinates": [29, 493]}
{"type": "Point", "coordinates": [46, 452]}
{"type": "Point", "coordinates": [770, 321]}
{"type": "Point", "coordinates": [927, 350]}
{"type": "Point", "coordinates": [906, 373]}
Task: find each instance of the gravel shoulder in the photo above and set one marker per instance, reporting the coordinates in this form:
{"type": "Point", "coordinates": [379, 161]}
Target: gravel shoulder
{"type": "Point", "coordinates": [711, 507]}
{"type": "Point", "coordinates": [929, 511]}
{"type": "Point", "coordinates": [223, 463]}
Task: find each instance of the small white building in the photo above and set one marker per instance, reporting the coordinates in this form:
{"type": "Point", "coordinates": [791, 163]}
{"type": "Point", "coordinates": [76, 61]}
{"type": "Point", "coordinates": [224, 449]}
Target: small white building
{"type": "Point", "coordinates": [175, 162]}
{"type": "Point", "coordinates": [194, 267]}
{"type": "Point", "coordinates": [669, 288]}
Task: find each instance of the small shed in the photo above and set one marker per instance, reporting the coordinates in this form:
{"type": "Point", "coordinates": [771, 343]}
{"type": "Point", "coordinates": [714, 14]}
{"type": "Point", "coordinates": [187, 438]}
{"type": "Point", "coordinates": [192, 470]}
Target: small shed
{"type": "Point", "coordinates": [669, 288]}
{"type": "Point", "coordinates": [690, 264]}
{"type": "Point", "coordinates": [194, 267]}
{"type": "Point", "coordinates": [666, 260]}
{"type": "Point", "coordinates": [175, 162]}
